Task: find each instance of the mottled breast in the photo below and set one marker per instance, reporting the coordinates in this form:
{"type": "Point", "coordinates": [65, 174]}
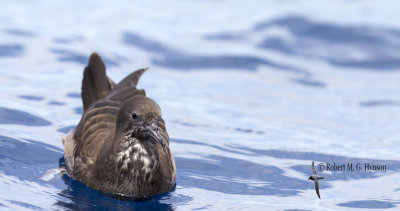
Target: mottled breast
{"type": "Point", "coordinates": [136, 165]}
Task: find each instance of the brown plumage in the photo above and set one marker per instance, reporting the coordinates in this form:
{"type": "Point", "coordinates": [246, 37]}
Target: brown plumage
{"type": "Point", "coordinates": [120, 145]}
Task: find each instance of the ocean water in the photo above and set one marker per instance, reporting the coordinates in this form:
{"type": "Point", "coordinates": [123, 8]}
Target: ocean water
{"type": "Point", "coordinates": [251, 92]}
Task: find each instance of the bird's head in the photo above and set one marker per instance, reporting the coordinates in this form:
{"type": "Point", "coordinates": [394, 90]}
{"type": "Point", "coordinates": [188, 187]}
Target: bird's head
{"type": "Point", "coordinates": [310, 178]}
{"type": "Point", "coordinates": [140, 117]}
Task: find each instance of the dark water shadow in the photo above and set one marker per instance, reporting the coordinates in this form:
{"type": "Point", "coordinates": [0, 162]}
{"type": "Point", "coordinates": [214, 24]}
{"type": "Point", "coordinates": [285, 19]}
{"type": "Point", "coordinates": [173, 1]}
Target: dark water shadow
{"type": "Point", "coordinates": [31, 97]}
{"type": "Point", "coordinates": [20, 33]}
{"type": "Point", "coordinates": [13, 116]}
{"type": "Point", "coordinates": [183, 60]}
{"type": "Point", "coordinates": [74, 95]}
{"type": "Point", "coordinates": [11, 50]}
{"type": "Point", "coordinates": [147, 44]}
{"type": "Point", "coordinates": [380, 46]}
{"type": "Point", "coordinates": [370, 204]}
{"type": "Point", "coordinates": [62, 40]}
{"type": "Point", "coordinates": [225, 36]}
{"type": "Point", "coordinates": [308, 82]}
{"type": "Point", "coordinates": [78, 110]}
{"type": "Point", "coordinates": [55, 103]}
{"type": "Point", "coordinates": [249, 63]}
{"type": "Point", "coordinates": [81, 197]}
{"type": "Point", "coordinates": [249, 131]}
{"type": "Point", "coordinates": [378, 103]}
{"type": "Point", "coordinates": [65, 55]}
{"type": "Point", "coordinates": [277, 44]}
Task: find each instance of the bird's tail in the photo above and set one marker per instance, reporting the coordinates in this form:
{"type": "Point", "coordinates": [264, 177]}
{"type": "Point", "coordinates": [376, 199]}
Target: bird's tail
{"type": "Point", "coordinates": [127, 87]}
{"type": "Point", "coordinates": [95, 84]}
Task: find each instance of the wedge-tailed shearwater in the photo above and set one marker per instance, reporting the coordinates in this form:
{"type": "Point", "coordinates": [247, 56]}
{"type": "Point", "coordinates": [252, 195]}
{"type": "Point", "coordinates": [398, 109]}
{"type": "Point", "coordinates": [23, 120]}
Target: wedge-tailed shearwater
{"type": "Point", "coordinates": [315, 177]}
{"type": "Point", "coordinates": [120, 145]}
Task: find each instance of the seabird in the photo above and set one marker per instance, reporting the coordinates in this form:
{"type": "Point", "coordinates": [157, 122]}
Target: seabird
{"type": "Point", "coordinates": [315, 177]}
{"type": "Point", "coordinates": [120, 145]}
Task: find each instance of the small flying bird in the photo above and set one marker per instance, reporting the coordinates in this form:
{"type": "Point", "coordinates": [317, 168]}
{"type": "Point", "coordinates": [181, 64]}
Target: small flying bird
{"type": "Point", "coordinates": [121, 145]}
{"type": "Point", "coordinates": [315, 177]}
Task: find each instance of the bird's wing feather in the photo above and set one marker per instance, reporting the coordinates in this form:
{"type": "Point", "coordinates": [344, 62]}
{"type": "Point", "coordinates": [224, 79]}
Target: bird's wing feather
{"type": "Point", "coordinates": [96, 126]}
{"type": "Point", "coordinates": [317, 188]}
{"type": "Point", "coordinates": [313, 168]}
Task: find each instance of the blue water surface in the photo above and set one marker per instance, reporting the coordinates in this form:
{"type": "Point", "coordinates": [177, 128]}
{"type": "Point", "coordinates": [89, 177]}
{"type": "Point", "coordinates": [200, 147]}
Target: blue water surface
{"type": "Point", "coordinates": [251, 92]}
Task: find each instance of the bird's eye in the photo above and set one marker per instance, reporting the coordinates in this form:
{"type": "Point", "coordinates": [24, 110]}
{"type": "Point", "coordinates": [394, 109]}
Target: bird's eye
{"type": "Point", "coordinates": [134, 115]}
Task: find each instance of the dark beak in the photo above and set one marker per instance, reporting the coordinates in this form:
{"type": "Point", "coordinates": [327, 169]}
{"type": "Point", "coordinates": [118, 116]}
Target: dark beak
{"type": "Point", "coordinates": [154, 132]}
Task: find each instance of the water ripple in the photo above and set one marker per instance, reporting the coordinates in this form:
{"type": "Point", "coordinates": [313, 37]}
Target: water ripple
{"type": "Point", "coordinates": [177, 59]}
{"type": "Point", "coordinates": [12, 50]}
{"type": "Point", "coordinates": [13, 116]}
{"type": "Point", "coordinates": [370, 204]}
